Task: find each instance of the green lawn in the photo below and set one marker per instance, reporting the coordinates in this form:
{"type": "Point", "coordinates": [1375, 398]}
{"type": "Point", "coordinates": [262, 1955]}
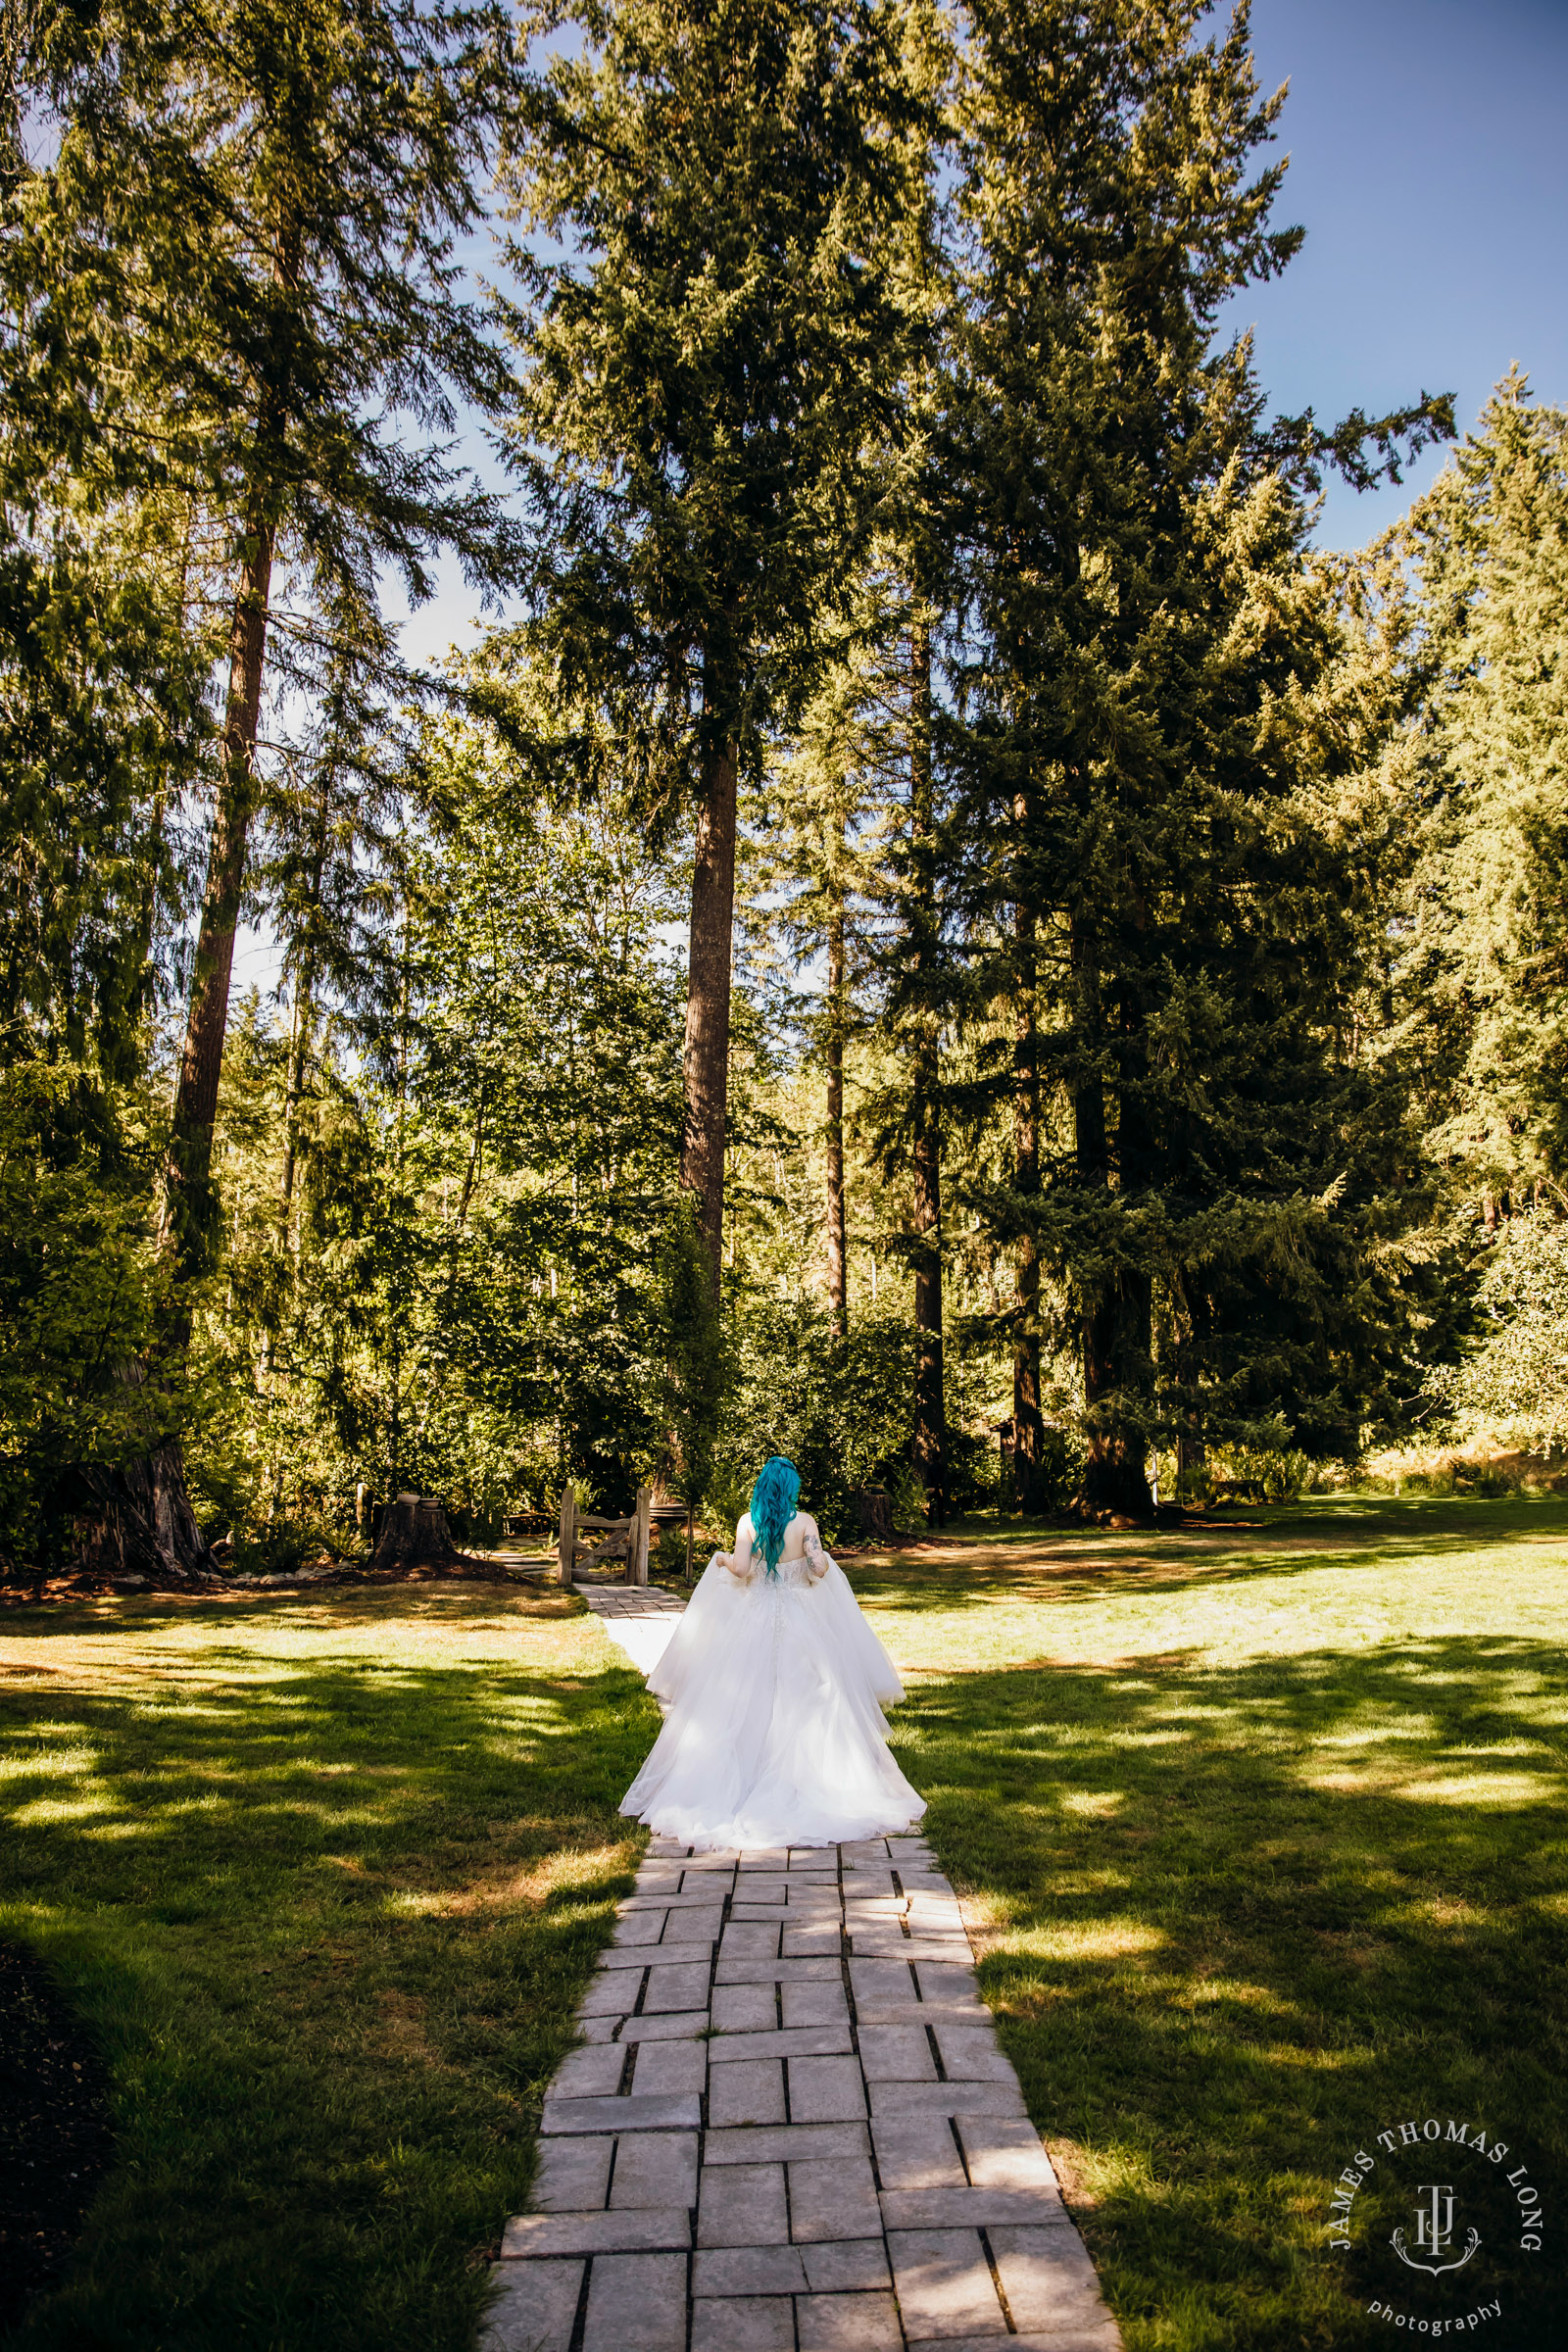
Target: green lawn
{"type": "Point", "coordinates": [1262, 1832]}
{"type": "Point", "coordinates": [1267, 1845]}
{"type": "Point", "coordinates": [326, 1879]}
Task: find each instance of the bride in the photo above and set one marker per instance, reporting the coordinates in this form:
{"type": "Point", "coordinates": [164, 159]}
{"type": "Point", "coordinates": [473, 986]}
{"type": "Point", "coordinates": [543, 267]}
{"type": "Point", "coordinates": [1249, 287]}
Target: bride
{"type": "Point", "coordinates": [772, 1689]}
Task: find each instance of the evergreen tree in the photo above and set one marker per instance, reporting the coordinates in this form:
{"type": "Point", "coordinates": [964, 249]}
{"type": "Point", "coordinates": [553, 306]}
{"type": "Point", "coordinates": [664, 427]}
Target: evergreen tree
{"type": "Point", "coordinates": [100, 719]}
{"type": "Point", "coordinates": [1139, 747]}
{"type": "Point", "coordinates": [692, 1394]}
{"type": "Point", "coordinates": [915, 1007]}
{"type": "Point", "coordinates": [826, 821]}
{"type": "Point", "coordinates": [712, 371]}
{"type": "Point", "coordinates": [237, 283]}
{"type": "Point", "coordinates": [1484, 927]}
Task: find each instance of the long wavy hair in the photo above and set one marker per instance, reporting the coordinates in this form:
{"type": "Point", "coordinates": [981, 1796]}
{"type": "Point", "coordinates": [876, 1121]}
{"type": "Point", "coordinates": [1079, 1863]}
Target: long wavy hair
{"type": "Point", "coordinates": [773, 1499]}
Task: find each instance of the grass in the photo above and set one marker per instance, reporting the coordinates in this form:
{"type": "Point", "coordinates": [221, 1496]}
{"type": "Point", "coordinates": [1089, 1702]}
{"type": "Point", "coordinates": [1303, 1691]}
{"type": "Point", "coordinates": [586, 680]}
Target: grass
{"type": "Point", "coordinates": [1264, 1837]}
{"type": "Point", "coordinates": [1262, 1832]}
{"type": "Point", "coordinates": [324, 1880]}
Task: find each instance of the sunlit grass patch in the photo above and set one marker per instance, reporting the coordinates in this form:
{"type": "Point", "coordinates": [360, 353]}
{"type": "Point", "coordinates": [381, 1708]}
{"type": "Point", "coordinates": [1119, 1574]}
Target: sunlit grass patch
{"type": "Point", "coordinates": [1261, 1849]}
{"type": "Point", "coordinates": [1260, 1846]}
{"type": "Point", "coordinates": [326, 1880]}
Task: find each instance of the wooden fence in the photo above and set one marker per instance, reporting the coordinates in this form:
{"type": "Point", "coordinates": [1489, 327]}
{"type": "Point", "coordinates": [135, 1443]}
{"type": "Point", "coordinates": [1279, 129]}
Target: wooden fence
{"type": "Point", "coordinates": [622, 1539]}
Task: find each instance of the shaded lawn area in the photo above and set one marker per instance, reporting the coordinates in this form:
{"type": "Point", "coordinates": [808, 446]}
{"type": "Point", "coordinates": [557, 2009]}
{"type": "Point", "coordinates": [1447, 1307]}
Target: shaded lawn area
{"type": "Point", "coordinates": [324, 1880]}
{"type": "Point", "coordinates": [1260, 1827]}
{"type": "Point", "coordinates": [1262, 1833]}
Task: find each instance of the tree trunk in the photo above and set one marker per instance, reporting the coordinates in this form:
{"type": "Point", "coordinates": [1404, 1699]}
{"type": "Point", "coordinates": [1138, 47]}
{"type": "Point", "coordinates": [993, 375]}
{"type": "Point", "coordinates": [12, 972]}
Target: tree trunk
{"type": "Point", "coordinates": [1115, 1335]}
{"type": "Point", "coordinates": [1028, 1425]}
{"type": "Point", "coordinates": [415, 1534]}
{"type": "Point", "coordinates": [140, 1521]}
{"type": "Point", "coordinates": [706, 1056]}
{"type": "Point", "coordinates": [873, 1511]}
{"type": "Point", "coordinates": [157, 828]}
{"type": "Point", "coordinates": [930, 1446]}
{"type": "Point", "coordinates": [304, 1004]}
{"type": "Point", "coordinates": [190, 1209]}
{"type": "Point", "coordinates": [141, 1514]}
{"type": "Point", "coordinates": [1116, 1324]}
{"type": "Point", "coordinates": [930, 1440]}
{"type": "Point", "coordinates": [838, 1282]}
{"type": "Point", "coordinates": [293, 1091]}
{"type": "Point", "coordinates": [1190, 1319]}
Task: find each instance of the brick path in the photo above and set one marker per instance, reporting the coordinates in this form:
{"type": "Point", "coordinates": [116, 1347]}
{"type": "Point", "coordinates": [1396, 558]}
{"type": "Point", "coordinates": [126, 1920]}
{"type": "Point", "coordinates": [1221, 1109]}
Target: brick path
{"type": "Point", "coordinates": [612, 1602]}
{"type": "Point", "coordinates": [792, 2130]}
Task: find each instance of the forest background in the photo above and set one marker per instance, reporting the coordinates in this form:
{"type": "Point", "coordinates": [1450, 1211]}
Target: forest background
{"type": "Point", "coordinates": [938, 935]}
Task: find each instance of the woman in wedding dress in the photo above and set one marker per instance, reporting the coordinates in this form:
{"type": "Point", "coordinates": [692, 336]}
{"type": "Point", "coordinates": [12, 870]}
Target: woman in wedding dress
{"type": "Point", "coordinates": [772, 1689]}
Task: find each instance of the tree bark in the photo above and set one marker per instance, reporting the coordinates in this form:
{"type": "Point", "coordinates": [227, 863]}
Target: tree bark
{"type": "Point", "coordinates": [1191, 1452]}
{"type": "Point", "coordinates": [189, 1204]}
{"type": "Point", "coordinates": [1028, 1425]}
{"type": "Point", "coordinates": [190, 1209]}
{"type": "Point", "coordinates": [930, 1440]}
{"type": "Point", "coordinates": [838, 1280]}
{"type": "Point", "coordinates": [930, 1415]}
{"type": "Point", "coordinates": [1117, 1323]}
{"type": "Point", "coordinates": [304, 1005]}
{"type": "Point", "coordinates": [138, 1518]}
{"type": "Point", "coordinates": [293, 1091]}
{"type": "Point", "coordinates": [707, 1054]}
{"type": "Point", "coordinates": [143, 1511]}
{"type": "Point", "coordinates": [414, 1534]}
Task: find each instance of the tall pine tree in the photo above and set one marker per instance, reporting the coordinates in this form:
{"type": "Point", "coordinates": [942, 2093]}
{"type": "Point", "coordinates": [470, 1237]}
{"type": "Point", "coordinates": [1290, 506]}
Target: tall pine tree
{"type": "Point", "coordinates": [1140, 747]}
{"type": "Point", "coordinates": [712, 371]}
{"type": "Point", "coordinates": [1484, 930]}
{"type": "Point", "coordinates": [238, 285]}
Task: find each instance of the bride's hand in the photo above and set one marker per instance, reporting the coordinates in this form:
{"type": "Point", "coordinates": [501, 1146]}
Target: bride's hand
{"type": "Point", "coordinates": [727, 1561]}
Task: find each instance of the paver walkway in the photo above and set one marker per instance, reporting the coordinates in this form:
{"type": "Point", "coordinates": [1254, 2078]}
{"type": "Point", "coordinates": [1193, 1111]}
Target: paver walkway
{"type": "Point", "coordinates": [638, 1618]}
{"type": "Point", "coordinates": [792, 2130]}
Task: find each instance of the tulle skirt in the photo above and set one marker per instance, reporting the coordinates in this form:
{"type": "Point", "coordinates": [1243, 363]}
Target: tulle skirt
{"type": "Point", "coordinates": [774, 1734]}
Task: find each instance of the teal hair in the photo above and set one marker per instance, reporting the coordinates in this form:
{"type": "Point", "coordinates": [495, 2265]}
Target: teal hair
{"type": "Point", "coordinates": [773, 1498]}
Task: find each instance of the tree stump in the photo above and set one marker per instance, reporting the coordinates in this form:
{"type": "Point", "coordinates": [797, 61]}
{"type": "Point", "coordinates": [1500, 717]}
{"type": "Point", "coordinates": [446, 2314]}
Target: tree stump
{"type": "Point", "coordinates": [873, 1507]}
{"type": "Point", "coordinates": [415, 1534]}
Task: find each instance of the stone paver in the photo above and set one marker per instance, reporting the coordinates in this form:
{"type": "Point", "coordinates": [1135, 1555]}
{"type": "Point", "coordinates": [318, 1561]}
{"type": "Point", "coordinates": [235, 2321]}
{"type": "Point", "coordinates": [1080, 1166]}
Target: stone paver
{"type": "Point", "coordinates": [636, 2303]}
{"type": "Point", "coordinates": [848, 2323]}
{"type": "Point", "coordinates": [534, 2301]}
{"type": "Point", "coordinates": [743, 2205]}
{"type": "Point", "coordinates": [790, 2125]}
{"type": "Point", "coordinates": [744, 2323]}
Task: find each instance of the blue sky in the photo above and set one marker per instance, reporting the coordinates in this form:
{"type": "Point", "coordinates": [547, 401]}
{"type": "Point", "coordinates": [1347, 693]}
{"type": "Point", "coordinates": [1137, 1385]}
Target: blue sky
{"type": "Point", "coordinates": [1428, 144]}
{"type": "Point", "coordinates": [1429, 164]}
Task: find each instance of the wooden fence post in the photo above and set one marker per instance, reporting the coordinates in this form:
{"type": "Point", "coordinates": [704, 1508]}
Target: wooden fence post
{"type": "Point", "coordinates": [637, 1546]}
{"type": "Point", "coordinates": [567, 1547]}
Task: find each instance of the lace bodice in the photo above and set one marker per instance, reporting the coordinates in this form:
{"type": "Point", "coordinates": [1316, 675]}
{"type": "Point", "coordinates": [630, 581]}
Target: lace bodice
{"type": "Point", "coordinates": [789, 1572]}
{"type": "Point", "coordinates": [794, 1573]}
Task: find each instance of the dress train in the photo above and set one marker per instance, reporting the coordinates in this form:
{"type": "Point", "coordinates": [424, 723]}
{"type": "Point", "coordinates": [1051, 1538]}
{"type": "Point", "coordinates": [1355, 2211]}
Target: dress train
{"type": "Point", "coordinates": [773, 1732]}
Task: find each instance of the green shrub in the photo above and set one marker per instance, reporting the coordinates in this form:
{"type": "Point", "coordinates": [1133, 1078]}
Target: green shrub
{"type": "Point", "coordinates": [277, 1550]}
{"type": "Point", "coordinates": [841, 1411]}
{"type": "Point", "coordinates": [907, 1495]}
{"type": "Point", "coordinates": [1281, 1471]}
{"type": "Point", "coordinates": [82, 1288]}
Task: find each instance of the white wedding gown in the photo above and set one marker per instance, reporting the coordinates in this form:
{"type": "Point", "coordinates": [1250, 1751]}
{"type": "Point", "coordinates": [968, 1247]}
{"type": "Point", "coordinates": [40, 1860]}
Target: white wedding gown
{"type": "Point", "coordinates": [774, 1734]}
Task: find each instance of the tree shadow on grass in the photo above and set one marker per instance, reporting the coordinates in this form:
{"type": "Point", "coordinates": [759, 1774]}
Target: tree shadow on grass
{"type": "Point", "coordinates": [1011, 1561]}
{"type": "Point", "coordinates": [1240, 1919]}
{"type": "Point", "coordinates": [328, 1926]}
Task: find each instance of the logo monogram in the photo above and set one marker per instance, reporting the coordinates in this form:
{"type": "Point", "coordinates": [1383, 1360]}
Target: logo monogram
{"type": "Point", "coordinates": [1433, 2231]}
